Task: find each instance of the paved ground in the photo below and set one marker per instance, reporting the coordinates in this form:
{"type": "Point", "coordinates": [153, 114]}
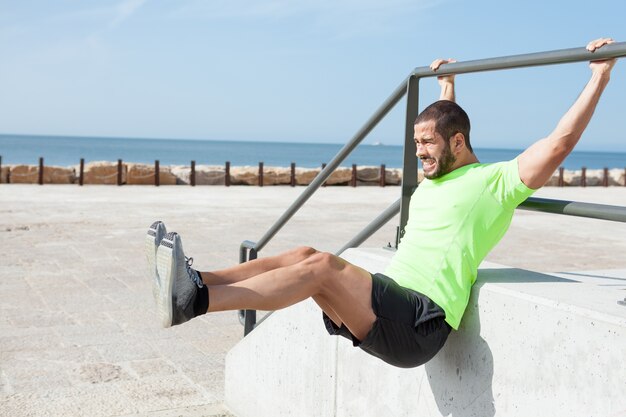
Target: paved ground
{"type": "Point", "coordinates": [78, 335]}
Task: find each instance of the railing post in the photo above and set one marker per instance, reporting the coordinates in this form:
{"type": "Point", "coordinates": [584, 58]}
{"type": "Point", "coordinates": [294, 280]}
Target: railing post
{"type": "Point", "coordinates": [249, 316]}
{"type": "Point", "coordinates": [260, 174]}
{"type": "Point", "coordinates": [383, 175]}
{"type": "Point", "coordinates": [353, 179]}
{"type": "Point", "coordinates": [227, 174]}
{"type": "Point", "coordinates": [40, 170]}
{"type": "Point", "coordinates": [583, 177]}
{"type": "Point", "coordinates": [293, 174]}
{"type": "Point", "coordinates": [81, 172]}
{"type": "Point", "coordinates": [157, 179]}
{"type": "Point", "coordinates": [605, 177]}
{"type": "Point", "coordinates": [409, 170]}
{"type": "Point", "coordinates": [324, 166]}
{"type": "Point", "coordinates": [561, 182]}
{"type": "Point", "coordinates": [119, 172]}
{"type": "Point", "coordinates": [192, 176]}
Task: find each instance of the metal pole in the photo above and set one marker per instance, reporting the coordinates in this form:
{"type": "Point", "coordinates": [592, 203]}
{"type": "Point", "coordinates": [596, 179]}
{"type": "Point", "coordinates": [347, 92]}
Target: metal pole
{"type": "Point", "coordinates": [378, 115]}
{"type": "Point", "coordinates": [409, 166]}
{"type": "Point", "coordinates": [574, 208]}
{"type": "Point", "coordinates": [562, 56]}
{"type": "Point", "coordinates": [373, 227]}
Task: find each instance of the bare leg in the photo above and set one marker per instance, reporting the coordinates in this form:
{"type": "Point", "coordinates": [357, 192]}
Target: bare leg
{"type": "Point", "coordinates": [256, 267]}
{"type": "Point", "coordinates": [342, 290]}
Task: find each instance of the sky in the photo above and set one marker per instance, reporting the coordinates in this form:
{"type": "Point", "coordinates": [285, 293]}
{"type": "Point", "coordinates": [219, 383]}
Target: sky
{"type": "Point", "coordinates": [295, 71]}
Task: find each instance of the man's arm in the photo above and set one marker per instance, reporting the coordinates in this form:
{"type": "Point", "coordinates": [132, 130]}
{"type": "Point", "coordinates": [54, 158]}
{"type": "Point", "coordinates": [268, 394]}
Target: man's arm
{"type": "Point", "coordinates": [540, 160]}
{"type": "Point", "coordinates": [446, 82]}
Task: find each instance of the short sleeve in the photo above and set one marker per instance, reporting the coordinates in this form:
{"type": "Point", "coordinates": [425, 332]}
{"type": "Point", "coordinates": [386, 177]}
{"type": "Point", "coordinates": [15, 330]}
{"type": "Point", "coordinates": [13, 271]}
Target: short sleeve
{"type": "Point", "coordinates": [506, 185]}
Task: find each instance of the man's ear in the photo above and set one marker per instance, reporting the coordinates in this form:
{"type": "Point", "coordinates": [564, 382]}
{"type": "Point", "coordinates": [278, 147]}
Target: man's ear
{"type": "Point", "coordinates": [457, 142]}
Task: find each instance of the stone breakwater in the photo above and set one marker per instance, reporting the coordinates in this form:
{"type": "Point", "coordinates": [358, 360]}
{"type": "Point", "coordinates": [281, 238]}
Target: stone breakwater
{"type": "Point", "coordinates": [144, 174]}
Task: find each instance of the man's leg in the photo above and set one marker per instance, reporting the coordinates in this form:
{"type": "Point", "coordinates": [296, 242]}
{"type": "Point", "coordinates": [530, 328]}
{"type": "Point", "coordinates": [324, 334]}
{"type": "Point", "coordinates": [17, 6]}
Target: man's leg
{"type": "Point", "coordinates": [341, 289]}
{"type": "Point", "coordinates": [256, 267]}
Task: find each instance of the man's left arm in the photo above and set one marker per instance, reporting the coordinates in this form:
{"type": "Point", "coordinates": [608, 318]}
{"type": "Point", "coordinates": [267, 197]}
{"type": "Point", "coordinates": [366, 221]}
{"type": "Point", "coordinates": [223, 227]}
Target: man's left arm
{"type": "Point", "coordinates": [538, 162]}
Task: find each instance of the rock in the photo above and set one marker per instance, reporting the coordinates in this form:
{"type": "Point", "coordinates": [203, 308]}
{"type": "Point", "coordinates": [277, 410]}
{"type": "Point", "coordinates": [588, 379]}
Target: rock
{"type": "Point", "coordinates": [245, 175]}
{"type": "Point", "coordinates": [103, 172]}
{"type": "Point", "coordinates": [304, 176]}
{"type": "Point", "coordinates": [4, 174]}
{"type": "Point", "coordinates": [276, 176]}
{"type": "Point", "coordinates": [142, 174]}
{"type": "Point", "coordinates": [24, 174]}
{"type": "Point", "coordinates": [340, 176]}
{"type": "Point", "coordinates": [58, 175]}
{"type": "Point", "coordinates": [393, 176]}
{"type": "Point", "coordinates": [617, 176]}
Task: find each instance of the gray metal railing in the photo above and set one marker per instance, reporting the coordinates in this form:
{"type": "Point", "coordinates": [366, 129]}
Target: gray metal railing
{"type": "Point", "coordinates": [410, 87]}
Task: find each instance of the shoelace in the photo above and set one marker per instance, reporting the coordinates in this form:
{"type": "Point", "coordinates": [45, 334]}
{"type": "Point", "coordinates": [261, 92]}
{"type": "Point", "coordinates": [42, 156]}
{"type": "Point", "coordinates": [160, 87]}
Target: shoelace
{"type": "Point", "coordinates": [193, 274]}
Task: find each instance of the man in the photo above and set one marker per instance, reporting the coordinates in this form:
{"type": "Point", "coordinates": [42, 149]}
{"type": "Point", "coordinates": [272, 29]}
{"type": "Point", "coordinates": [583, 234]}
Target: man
{"type": "Point", "coordinates": [460, 211]}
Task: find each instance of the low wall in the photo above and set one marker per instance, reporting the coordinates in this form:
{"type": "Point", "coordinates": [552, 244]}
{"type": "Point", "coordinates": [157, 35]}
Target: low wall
{"type": "Point", "coordinates": [530, 344]}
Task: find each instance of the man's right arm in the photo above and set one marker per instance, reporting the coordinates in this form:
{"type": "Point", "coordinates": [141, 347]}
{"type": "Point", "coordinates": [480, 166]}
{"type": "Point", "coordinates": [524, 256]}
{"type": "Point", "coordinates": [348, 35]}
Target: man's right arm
{"type": "Point", "coordinates": [446, 82]}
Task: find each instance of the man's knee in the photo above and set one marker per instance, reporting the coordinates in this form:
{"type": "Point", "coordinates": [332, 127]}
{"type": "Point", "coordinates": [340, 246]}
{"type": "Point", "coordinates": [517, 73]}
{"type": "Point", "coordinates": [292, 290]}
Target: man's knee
{"type": "Point", "coordinates": [323, 264]}
{"type": "Point", "coordinates": [303, 252]}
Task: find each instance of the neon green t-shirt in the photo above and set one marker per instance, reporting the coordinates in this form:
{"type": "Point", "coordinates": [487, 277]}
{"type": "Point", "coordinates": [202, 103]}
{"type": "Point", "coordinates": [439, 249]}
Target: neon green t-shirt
{"type": "Point", "coordinates": [454, 221]}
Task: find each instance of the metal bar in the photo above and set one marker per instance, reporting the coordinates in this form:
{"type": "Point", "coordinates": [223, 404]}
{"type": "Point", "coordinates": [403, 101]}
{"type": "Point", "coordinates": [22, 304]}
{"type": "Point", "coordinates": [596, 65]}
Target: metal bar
{"type": "Point", "coordinates": [409, 166]}
{"type": "Point", "coordinates": [574, 208]}
{"type": "Point", "coordinates": [378, 115]}
{"type": "Point", "coordinates": [562, 56]}
{"type": "Point", "coordinates": [250, 315]}
{"type": "Point", "coordinates": [373, 227]}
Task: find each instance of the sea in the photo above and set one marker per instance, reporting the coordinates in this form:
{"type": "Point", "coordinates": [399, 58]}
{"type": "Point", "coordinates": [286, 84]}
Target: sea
{"type": "Point", "coordinates": [68, 150]}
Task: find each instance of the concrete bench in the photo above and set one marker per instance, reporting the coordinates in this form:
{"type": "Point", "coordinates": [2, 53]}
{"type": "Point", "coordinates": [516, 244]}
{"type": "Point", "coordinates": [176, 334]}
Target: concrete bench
{"type": "Point", "coordinates": [530, 344]}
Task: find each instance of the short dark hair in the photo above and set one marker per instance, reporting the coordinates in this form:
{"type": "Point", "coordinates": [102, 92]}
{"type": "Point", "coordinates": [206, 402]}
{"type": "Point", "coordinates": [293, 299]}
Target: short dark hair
{"type": "Point", "coordinates": [449, 119]}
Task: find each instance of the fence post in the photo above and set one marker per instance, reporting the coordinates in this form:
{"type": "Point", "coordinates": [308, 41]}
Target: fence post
{"type": "Point", "coordinates": [324, 166]}
{"type": "Point", "coordinates": [81, 172]}
{"type": "Point", "coordinates": [260, 174]}
{"type": "Point", "coordinates": [561, 182]}
{"type": "Point", "coordinates": [157, 179]}
{"type": "Point", "coordinates": [353, 178]}
{"type": "Point", "coordinates": [605, 178]}
{"type": "Point", "coordinates": [119, 172]}
{"type": "Point", "coordinates": [227, 174]}
{"type": "Point", "coordinates": [383, 175]}
{"type": "Point", "coordinates": [192, 176]}
{"type": "Point", "coordinates": [583, 177]}
{"type": "Point", "coordinates": [40, 171]}
{"type": "Point", "coordinates": [293, 174]}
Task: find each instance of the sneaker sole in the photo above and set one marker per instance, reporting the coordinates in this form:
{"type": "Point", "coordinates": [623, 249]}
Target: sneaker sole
{"type": "Point", "coordinates": [165, 269]}
{"type": "Point", "coordinates": [150, 249]}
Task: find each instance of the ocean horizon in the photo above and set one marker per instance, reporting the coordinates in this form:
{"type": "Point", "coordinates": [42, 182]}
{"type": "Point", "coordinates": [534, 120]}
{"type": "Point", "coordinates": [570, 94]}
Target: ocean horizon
{"type": "Point", "coordinates": [68, 150]}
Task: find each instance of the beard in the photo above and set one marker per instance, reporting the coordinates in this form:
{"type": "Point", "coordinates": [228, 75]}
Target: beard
{"type": "Point", "coordinates": [444, 164]}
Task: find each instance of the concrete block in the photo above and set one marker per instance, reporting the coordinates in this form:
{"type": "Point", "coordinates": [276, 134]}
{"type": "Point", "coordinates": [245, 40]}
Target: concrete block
{"type": "Point", "coordinates": [286, 366]}
{"type": "Point", "coordinates": [529, 344]}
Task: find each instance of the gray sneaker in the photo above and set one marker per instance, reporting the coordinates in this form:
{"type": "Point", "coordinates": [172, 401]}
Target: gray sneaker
{"type": "Point", "coordinates": [179, 282]}
{"type": "Point", "coordinates": [153, 238]}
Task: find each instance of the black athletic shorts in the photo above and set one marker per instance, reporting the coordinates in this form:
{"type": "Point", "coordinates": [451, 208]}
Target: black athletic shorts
{"type": "Point", "coordinates": [409, 328]}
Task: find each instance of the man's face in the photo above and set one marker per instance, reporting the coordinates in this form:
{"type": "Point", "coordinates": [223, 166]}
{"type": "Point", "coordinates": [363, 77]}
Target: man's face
{"type": "Point", "coordinates": [433, 150]}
